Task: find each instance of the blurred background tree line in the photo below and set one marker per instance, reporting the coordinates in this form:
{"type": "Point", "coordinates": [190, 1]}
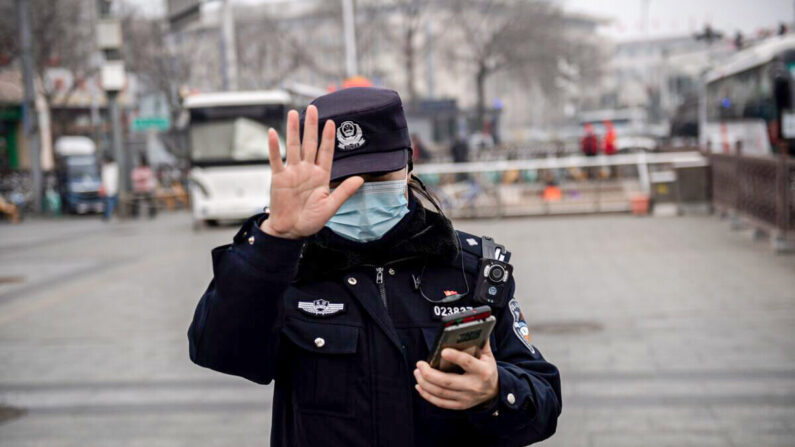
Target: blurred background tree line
{"type": "Point", "coordinates": [481, 53]}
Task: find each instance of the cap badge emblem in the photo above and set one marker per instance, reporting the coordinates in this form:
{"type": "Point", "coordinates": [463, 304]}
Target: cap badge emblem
{"type": "Point", "coordinates": [349, 136]}
{"type": "Point", "coordinates": [320, 307]}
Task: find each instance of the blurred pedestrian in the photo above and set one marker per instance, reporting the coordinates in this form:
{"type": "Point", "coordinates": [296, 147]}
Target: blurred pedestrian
{"type": "Point", "coordinates": [610, 138]}
{"type": "Point", "coordinates": [589, 142]}
{"type": "Point", "coordinates": [419, 152]}
{"type": "Point", "coordinates": [52, 199]}
{"type": "Point", "coordinates": [609, 147]}
{"type": "Point", "coordinates": [10, 209]}
{"type": "Point", "coordinates": [460, 152]}
{"type": "Point", "coordinates": [144, 184]}
{"type": "Point", "coordinates": [110, 185]}
{"type": "Point", "coordinates": [590, 148]}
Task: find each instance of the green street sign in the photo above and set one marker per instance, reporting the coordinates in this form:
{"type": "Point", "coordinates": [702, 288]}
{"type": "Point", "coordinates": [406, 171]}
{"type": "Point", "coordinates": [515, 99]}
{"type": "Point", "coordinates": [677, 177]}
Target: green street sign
{"type": "Point", "coordinates": [143, 123]}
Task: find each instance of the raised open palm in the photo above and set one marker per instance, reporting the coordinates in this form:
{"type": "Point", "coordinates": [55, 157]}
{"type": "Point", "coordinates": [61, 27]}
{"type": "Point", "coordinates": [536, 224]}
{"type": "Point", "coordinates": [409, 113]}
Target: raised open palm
{"type": "Point", "coordinates": [301, 202]}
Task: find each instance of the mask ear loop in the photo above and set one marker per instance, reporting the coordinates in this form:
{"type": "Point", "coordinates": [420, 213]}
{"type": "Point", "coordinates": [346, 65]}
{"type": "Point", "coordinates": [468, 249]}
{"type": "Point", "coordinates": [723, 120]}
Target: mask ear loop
{"type": "Point", "coordinates": [459, 251]}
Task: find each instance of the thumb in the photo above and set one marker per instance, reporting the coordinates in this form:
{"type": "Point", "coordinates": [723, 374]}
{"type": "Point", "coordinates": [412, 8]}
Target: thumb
{"type": "Point", "coordinates": [342, 192]}
{"type": "Point", "coordinates": [485, 352]}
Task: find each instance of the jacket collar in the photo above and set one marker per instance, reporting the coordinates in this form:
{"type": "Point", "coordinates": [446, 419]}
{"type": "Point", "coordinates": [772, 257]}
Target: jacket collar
{"type": "Point", "coordinates": [421, 233]}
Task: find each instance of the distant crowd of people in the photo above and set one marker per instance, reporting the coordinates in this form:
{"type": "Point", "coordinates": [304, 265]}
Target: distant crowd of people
{"type": "Point", "coordinates": [591, 145]}
{"type": "Point", "coordinates": [459, 148]}
{"type": "Point", "coordinates": [144, 181]}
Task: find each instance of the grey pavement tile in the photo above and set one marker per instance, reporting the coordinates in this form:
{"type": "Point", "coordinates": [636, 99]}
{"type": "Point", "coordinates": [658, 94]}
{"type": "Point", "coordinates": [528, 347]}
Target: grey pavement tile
{"type": "Point", "coordinates": [658, 439]}
{"type": "Point", "coordinates": [693, 343]}
{"type": "Point", "coordinates": [171, 430]}
{"type": "Point", "coordinates": [780, 439]}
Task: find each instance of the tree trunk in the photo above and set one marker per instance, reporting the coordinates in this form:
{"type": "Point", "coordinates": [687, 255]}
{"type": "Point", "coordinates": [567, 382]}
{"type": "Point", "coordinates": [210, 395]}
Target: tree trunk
{"type": "Point", "coordinates": [480, 83]}
{"type": "Point", "coordinates": [408, 51]}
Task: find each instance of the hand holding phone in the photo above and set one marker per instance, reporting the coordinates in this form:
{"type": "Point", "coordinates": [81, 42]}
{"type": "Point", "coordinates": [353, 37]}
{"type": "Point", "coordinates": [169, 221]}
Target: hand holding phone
{"type": "Point", "coordinates": [465, 331]}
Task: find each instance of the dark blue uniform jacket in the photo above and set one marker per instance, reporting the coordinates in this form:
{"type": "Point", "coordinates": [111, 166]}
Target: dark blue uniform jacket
{"type": "Point", "coordinates": [344, 373]}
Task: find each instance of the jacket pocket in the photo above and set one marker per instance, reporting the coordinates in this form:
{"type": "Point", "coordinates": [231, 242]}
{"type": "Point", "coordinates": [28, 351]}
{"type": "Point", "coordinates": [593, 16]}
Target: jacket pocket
{"type": "Point", "coordinates": [322, 365]}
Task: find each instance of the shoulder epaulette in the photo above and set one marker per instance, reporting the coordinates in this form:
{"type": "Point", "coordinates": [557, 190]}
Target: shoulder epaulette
{"type": "Point", "coordinates": [474, 245]}
{"type": "Point", "coordinates": [470, 243]}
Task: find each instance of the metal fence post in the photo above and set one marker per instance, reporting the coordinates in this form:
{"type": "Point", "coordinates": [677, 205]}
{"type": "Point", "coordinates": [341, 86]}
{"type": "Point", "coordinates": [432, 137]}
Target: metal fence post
{"type": "Point", "coordinates": [736, 221]}
{"type": "Point", "coordinates": [599, 179]}
{"type": "Point", "coordinates": [779, 238]}
{"type": "Point", "coordinates": [643, 173]}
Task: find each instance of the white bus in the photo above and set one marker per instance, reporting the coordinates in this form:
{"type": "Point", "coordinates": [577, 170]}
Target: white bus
{"type": "Point", "coordinates": [230, 172]}
{"type": "Point", "coordinates": [749, 100]}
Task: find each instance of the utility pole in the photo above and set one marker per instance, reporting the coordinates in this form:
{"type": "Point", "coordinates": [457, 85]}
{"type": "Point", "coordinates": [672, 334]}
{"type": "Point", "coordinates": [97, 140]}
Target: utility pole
{"type": "Point", "coordinates": [709, 36]}
{"type": "Point", "coordinates": [29, 112]}
{"type": "Point", "coordinates": [113, 78]}
{"type": "Point", "coordinates": [645, 17]}
{"type": "Point", "coordinates": [429, 60]}
{"type": "Point", "coordinates": [350, 38]}
{"type": "Point", "coordinates": [228, 53]}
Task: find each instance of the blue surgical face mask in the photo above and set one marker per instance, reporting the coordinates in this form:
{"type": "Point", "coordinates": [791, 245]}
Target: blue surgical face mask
{"type": "Point", "coordinates": [371, 211]}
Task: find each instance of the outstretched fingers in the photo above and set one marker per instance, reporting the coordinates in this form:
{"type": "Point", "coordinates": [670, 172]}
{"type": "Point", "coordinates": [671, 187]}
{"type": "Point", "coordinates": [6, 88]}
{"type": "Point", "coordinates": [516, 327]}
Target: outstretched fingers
{"type": "Point", "coordinates": [325, 154]}
{"type": "Point", "coordinates": [309, 140]}
{"type": "Point", "coordinates": [275, 152]}
{"type": "Point", "coordinates": [293, 140]}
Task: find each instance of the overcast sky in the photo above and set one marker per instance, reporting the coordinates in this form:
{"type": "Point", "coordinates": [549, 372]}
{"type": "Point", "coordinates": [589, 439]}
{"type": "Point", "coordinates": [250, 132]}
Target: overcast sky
{"type": "Point", "coordinates": [671, 17]}
{"type": "Point", "coordinates": [666, 17]}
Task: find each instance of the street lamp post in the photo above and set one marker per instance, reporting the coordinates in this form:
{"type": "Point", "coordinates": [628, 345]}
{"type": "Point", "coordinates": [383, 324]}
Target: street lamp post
{"type": "Point", "coordinates": [29, 112]}
{"type": "Point", "coordinates": [118, 151]}
{"type": "Point", "coordinates": [109, 40]}
{"type": "Point", "coordinates": [228, 52]}
{"type": "Point", "coordinates": [350, 38]}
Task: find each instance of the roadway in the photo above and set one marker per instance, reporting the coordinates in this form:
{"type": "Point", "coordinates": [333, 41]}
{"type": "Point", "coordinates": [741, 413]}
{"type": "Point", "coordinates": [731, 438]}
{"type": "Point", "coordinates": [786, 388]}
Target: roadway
{"type": "Point", "coordinates": [668, 331]}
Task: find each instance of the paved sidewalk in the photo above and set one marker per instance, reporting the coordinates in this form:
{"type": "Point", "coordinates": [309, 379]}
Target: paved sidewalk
{"type": "Point", "coordinates": [668, 332]}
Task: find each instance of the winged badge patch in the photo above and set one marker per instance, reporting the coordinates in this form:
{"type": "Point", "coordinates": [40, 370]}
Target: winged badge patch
{"type": "Point", "coordinates": [320, 308]}
{"type": "Point", "coordinates": [520, 325]}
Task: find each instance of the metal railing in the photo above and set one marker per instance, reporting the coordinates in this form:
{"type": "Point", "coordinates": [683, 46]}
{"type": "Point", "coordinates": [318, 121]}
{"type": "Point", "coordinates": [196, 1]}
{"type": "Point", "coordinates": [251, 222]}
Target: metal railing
{"type": "Point", "coordinates": [498, 188]}
{"type": "Point", "coordinates": [758, 188]}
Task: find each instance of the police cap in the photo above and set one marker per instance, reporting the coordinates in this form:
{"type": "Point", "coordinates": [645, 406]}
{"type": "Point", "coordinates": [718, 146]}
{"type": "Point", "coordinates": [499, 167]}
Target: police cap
{"type": "Point", "coordinates": [371, 134]}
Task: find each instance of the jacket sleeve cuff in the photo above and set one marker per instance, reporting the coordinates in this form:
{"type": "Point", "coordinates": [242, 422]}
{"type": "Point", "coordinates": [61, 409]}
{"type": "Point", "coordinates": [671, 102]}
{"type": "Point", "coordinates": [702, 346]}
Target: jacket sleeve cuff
{"type": "Point", "coordinates": [265, 253]}
{"type": "Point", "coordinates": [512, 407]}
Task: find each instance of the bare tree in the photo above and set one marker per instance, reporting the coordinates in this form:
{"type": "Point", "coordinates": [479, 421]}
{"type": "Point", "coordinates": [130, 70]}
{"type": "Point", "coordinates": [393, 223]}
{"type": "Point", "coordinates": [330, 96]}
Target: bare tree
{"type": "Point", "coordinates": [63, 36]}
{"type": "Point", "coordinates": [264, 53]}
{"type": "Point", "coordinates": [271, 50]}
{"type": "Point", "coordinates": [411, 24]}
{"type": "Point", "coordinates": [493, 36]}
{"type": "Point", "coordinates": [161, 62]}
{"type": "Point", "coordinates": [400, 21]}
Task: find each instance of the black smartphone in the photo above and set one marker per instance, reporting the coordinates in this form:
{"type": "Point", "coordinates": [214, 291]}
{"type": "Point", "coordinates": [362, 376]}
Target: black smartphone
{"type": "Point", "coordinates": [465, 331]}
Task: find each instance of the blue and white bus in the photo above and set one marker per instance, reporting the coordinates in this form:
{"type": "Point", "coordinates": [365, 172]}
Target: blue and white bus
{"type": "Point", "coordinates": [749, 100]}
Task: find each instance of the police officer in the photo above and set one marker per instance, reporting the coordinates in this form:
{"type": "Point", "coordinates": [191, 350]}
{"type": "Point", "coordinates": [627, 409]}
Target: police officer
{"type": "Point", "coordinates": [337, 294]}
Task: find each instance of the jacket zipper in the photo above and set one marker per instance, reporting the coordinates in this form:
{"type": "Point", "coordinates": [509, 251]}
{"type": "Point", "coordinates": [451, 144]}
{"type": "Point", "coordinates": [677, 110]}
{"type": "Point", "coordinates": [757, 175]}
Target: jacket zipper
{"type": "Point", "coordinates": [392, 262]}
{"type": "Point", "coordinates": [379, 279]}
